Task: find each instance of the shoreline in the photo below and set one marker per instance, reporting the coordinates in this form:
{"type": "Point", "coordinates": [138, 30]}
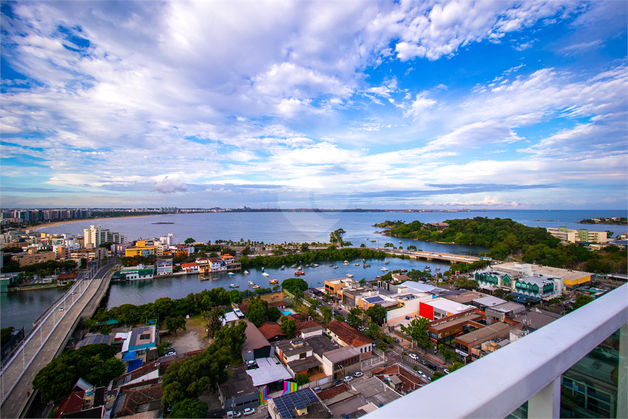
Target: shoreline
{"type": "Point", "coordinates": [58, 223]}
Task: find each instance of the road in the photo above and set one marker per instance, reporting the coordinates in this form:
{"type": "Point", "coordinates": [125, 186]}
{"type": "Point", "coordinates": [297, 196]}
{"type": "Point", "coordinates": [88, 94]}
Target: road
{"type": "Point", "coordinates": [53, 332]}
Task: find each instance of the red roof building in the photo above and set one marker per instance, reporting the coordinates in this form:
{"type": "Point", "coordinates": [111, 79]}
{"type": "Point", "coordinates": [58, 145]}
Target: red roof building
{"type": "Point", "coordinates": [346, 335]}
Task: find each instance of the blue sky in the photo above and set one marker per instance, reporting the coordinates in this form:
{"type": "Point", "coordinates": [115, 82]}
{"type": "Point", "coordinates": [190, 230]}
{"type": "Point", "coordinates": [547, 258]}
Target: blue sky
{"type": "Point", "coordinates": [493, 104]}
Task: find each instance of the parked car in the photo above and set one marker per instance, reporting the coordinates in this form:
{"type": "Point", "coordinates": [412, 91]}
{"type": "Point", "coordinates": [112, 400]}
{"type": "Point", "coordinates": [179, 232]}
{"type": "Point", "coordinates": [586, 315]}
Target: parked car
{"type": "Point", "coordinates": [317, 389]}
{"type": "Point", "coordinates": [413, 356]}
{"type": "Point", "coordinates": [358, 374]}
{"type": "Point", "coordinates": [446, 371]}
{"type": "Point", "coordinates": [248, 411]}
{"type": "Point", "coordinates": [431, 366]}
{"type": "Point", "coordinates": [348, 378]}
{"type": "Point", "coordinates": [423, 376]}
{"type": "Point", "coordinates": [232, 414]}
{"type": "Point", "coordinates": [61, 309]}
{"type": "Point", "coordinates": [336, 383]}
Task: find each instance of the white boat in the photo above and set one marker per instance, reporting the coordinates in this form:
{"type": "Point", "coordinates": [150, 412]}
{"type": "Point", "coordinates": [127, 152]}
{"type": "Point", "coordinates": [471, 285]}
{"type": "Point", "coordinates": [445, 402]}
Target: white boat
{"type": "Point", "coordinates": [251, 283]}
{"type": "Point", "coordinates": [335, 267]}
{"type": "Point", "coordinates": [245, 272]}
{"type": "Point", "coordinates": [233, 285]}
{"type": "Point", "coordinates": [230, 274]}
{"type": "Point", "coordinates": [349, 275]}
{"type": "Point", "coordinates": [316, 265]}
{"type": "Point", "coordinates": [346, 262]}
{"type": "Point", "coordinates": [300, 268]}
{"type": "Point", "coordinates": [384, 269]}
{"type": "Point", "coordinates": [255, 286]}
{"type": "Point", "coordinates": [283, 267]}
{"type": "Point", "coordinates": [265, 274]}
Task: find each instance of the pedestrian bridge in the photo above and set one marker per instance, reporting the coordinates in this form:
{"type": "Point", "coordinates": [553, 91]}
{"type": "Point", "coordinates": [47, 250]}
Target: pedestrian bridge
{"type": "Point", "coordinates": [430, 256]}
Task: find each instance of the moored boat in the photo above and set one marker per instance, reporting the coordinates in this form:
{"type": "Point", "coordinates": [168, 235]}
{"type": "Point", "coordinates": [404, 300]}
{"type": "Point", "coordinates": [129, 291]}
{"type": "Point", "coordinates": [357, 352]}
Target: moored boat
{"type": "Point", "coordinates": [283, 267]}
{"type": "Point", "coordinates": [265, 274]}
{"type": "Point", "coordinates": [245, 272]}
{"type": "Point", "coordinates": [299, 273]}
{"type": "Point", "coordinates": [230, 274]}
{"type": "Point", "coordinates": [233, 285]}
{"type": "Point", "coordinates": [273, 281]}
{"type": "Point", "coordinates": [384, 269]}
{"type": "Point", "coordinates": [349, 275]}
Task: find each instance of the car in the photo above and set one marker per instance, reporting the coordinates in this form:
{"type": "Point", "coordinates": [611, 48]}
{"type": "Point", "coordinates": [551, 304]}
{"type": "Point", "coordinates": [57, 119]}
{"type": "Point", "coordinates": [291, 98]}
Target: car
{"type": "Point", "coordinates": [317, 389]}
{"type": "Point", "coordinates": [337, 383]}
{"type": "Point", "coordinates": [358, 374]}
{"type": "Point", "coordinates": [431, 366]}
{"type": "Point", "coordinates": [73, 293]}
{"type": "Point", "coordinates": [232, 414]}
{"type": "Point", "coordinates": [347, 378]}
{"type": "Point", "coordinates": [248, 411]}
{"type": "Point", "coordinates": [61, 309]}
{"type": "Point", "coordinates": [413, 356]}
{"type": "Point", "coordinates": [423, 376]}
{"type": "Point", "coordinates": [446, 371]}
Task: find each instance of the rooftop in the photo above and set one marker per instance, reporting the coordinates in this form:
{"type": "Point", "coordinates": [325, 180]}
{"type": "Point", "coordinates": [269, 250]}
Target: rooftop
{"type": "Point", "coordinates": [254, 338]}
{"type": "Point", "coordinates": [484, 334]}
{"type": "Point", "coordinates": [340, 354]}
{"type": "Point", "coordinates": [268, 371]}
{"type": "Point", "coordinates": [320, 344]}
{"type": "Point", "coordinates": [455, 322]}
{"type": "Point", "coordinates": [489, 301]}
{"type": "Point", "coordinates": [301, 399]}
{"type": "Point", "coordinates": [348, 334]}
{"type": "Point", "coordinates": [239, 382]}
{"type": "Point", "coordinates": [514, 269]}
{"type": "Point", "coordinates": [464, 297]}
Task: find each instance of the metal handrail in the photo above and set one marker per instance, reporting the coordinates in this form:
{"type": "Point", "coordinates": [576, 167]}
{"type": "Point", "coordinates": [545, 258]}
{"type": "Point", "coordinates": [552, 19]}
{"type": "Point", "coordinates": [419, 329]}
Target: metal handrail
{"type": "Point", "coordinates": [497, 384]}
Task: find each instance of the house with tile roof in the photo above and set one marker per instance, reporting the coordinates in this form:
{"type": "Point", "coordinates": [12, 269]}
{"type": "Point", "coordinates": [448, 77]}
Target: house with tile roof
{"type": "Point", "coordinates": [346, 335]}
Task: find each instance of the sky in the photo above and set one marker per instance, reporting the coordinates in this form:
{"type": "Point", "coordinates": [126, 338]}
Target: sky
{"type": "Point", "coordinates": [314, 104]}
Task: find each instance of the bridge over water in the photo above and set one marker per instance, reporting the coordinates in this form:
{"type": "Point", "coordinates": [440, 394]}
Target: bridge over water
{"type": "Point", "coordinates": [47, 340]}
{"type": "Point", "coordinates": [429, 256]}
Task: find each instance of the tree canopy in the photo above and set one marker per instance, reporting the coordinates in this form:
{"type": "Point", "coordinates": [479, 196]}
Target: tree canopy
{"type": "Point", "coordinates": [94, 363]}
{"type": "Point", "coordinates": [189, 408]}
{"type": "Point", "coordinates": [417, 330]}
{"type": "Point", "coordinates": [294, 285]}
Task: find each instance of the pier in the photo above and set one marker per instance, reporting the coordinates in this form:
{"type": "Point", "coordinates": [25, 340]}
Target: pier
{"type": "Point", "coordinates": [48, 340]}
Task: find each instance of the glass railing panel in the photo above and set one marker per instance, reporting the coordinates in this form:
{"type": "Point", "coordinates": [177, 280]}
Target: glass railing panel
{"type": "Point", "coordinates": [520, 413]}
{"type": "Point", "coordinates": [589, 388]}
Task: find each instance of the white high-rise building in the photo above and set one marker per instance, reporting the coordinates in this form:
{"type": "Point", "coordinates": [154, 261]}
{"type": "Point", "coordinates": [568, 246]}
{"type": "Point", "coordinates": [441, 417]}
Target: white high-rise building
{"type": "Point", "coordinates": [94, 236]}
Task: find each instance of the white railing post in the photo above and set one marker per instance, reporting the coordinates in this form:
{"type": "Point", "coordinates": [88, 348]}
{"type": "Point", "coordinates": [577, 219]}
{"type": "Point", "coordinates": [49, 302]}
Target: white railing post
{"type": "Point", "coordinates": [546, 403]}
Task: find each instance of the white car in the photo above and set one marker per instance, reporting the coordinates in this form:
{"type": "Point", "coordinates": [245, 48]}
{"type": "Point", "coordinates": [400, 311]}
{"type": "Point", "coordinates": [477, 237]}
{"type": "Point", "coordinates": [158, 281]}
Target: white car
{"type": "Point", "coordinates": [358, 374]}
{"type": "Point", "coordinates": [348, 378]}
{"type": "Point", "coordinates": [413, 356]}
{"type": "Point", "coordinates": [248, 411]}
{"type": "Point", "coordinates": [446, 371]}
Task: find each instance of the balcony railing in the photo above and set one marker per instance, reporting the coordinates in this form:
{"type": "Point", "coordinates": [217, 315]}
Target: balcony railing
{"type": "Point", "coordinates": [527, 370]}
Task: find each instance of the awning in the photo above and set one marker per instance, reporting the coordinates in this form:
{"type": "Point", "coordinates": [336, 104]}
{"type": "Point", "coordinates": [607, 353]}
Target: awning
{"type": "Point", "coordinates": [129, 356]}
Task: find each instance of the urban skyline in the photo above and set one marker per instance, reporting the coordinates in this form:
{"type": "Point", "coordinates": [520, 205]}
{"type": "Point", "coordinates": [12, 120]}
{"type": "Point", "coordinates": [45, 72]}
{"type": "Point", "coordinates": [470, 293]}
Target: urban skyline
{"type": "Point", "coordinates": [315, 105]}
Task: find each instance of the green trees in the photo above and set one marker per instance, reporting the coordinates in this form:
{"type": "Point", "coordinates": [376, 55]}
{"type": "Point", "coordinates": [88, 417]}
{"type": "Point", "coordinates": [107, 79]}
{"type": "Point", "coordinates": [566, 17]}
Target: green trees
{"type": "Point", "coordinates": [339, 318]}
{"type": "Point", "coordinates": [189, 408]}
{"type": "Point", "coordinates": [581, 300]}
{"type": "Point", "coordinates": [377, 313]}
{"type": "Point", "coordinates": [354, 318]}
{"type": "Point", "coordinates": [189, 240]}
{"type": "Point", "coordinates": [175, 323]}
{"type": "Point", "coordinates": [7, 334]}
{"type": "Point", "coordinates": [189, 377]}
{"type": "Point", "coordinates": [94, 363]}
{"type": "Point", "coordinates": [417, 330]}
{"type": "Point", "coordinates": [301, 379]}
{"type": "Point", "coordinates": [235, 296]}
{"type": "Point", "coordinates": [327, 313]}
{"type": "Point", "coordinates": [289, 327]}
{"type": "Point", "coordinates": [294, 285]}
{"type": "Point", "coordinates": [258, 311]}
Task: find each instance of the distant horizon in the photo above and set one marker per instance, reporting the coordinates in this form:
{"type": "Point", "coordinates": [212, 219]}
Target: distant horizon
{"type": "Point", "coordinates": [251, 209]}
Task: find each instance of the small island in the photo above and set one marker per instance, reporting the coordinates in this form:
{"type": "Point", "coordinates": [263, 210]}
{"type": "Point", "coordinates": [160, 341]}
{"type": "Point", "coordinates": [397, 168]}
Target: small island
{"type": "Point", "coordinates": [612, 220]}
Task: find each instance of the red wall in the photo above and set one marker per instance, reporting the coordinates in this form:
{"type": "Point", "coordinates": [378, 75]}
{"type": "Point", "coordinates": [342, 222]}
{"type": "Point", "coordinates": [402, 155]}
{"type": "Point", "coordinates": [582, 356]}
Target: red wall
{"type": "Point", "coordinates": [426, 310]}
